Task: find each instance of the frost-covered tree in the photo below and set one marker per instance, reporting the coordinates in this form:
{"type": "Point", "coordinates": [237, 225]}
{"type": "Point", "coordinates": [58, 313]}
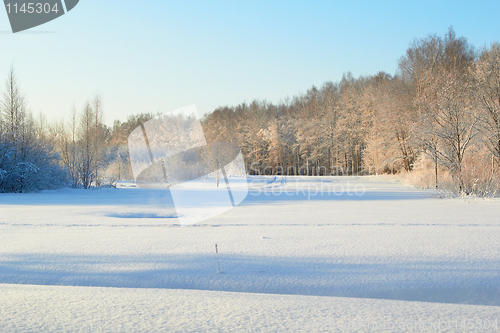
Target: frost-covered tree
{"type": "Point", "coordinates": [118, 164]}
{"type": "Point", "coordinates": [27, 161]}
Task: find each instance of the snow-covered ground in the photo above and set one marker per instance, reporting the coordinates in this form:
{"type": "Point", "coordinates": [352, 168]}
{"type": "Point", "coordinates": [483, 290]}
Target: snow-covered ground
{"type": "Point", "coordinates": [306, 254]}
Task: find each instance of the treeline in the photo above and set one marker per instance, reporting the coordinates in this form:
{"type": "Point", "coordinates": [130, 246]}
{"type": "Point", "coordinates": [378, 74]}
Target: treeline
{"type": "Point", "coordinates": [92, 153]}
{"type": "Point", "coordinates": [438, 117]}
{"type": "Point", "coordinates": [437, 121]}
{"type": "Point", "coordinates": [82, 152]}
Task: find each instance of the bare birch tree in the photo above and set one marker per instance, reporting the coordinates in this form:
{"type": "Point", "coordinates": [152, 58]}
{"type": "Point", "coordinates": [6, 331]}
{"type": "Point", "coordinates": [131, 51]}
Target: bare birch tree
{"type": "Point", "coordinates": [487, 93]}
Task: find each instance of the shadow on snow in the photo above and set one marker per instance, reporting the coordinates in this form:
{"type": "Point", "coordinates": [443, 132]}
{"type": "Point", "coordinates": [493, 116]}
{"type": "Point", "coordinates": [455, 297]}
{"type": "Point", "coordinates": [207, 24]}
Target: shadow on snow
{"type": "Point", "coordinates": [446, 282]}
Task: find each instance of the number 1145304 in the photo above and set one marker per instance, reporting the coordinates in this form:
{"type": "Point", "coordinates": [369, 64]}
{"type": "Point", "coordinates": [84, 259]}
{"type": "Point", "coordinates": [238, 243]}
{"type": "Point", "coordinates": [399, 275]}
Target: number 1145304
{"type": "Point", "coordinates": [31, 7]}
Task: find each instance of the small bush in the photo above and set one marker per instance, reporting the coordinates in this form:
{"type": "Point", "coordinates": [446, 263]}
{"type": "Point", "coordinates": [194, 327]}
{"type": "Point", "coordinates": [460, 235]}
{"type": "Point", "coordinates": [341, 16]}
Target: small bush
{"type": "Point", "coordinates": [478, 177]}
{"type": "Point", "coordinates": [423, 175]}
{"type": "Point", "coordinates": [29, 169]}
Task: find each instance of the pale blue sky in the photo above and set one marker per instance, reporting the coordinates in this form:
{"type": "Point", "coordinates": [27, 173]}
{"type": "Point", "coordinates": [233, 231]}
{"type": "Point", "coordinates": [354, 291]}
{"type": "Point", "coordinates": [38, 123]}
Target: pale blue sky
{"type": "Point", "coordinates": [150, 56]}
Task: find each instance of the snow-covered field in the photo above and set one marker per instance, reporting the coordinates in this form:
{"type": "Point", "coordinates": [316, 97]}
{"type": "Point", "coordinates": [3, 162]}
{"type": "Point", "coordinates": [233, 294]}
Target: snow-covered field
{"type": "Point", "coordinates": [300, 254]}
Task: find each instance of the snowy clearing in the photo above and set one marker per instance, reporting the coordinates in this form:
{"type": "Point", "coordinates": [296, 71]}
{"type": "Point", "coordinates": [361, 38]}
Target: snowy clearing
{"type": "Point", "coordinates": [297, 252]}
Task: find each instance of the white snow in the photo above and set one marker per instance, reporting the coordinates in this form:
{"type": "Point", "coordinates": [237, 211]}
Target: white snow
{"type": "Point", "coordinates": [300, 254]}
